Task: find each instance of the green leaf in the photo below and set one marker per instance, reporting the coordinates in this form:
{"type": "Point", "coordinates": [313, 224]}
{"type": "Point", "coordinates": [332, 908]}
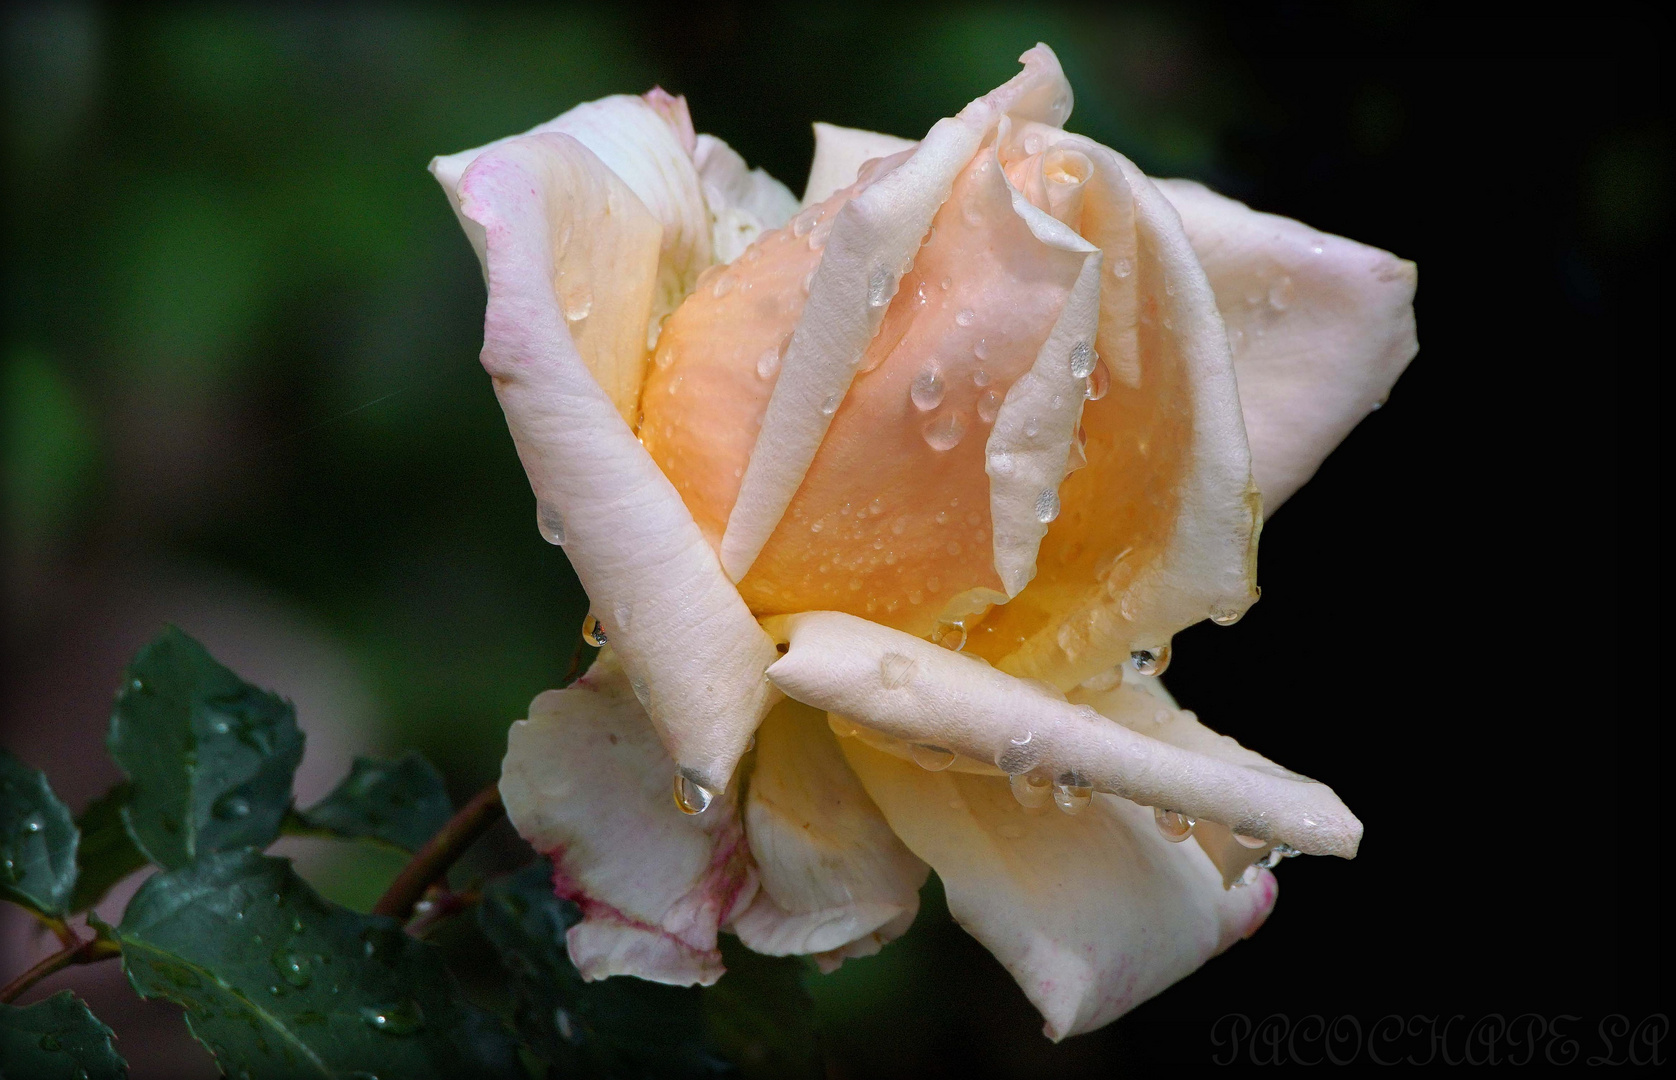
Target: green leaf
{"type": "Point", "coordinates": [107, 853]}
{"type": "Point", "coordinates": [211, 757]}
{"type": "Point", "coordinates": [277, 982]}
{"type": "Point", "coordinates": [37, 840]}
{"type": "Point", "coordinates": [57, 1039]}
{"type": "Point", "coordinates": [402, 803]}
{"type": "Point", "coordinates": [757, 1021]}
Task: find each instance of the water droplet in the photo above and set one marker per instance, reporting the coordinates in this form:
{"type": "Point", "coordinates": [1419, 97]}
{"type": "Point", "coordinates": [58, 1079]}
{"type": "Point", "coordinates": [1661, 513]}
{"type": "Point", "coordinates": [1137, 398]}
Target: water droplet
{"type": "Point", "coordinates": [881, 286]}
{"type": "Point", "coordinates": [945, 432]}
{"type": "Point", "coordinates": [549, 522]}
{"type": "Point", "coordinates": [1249, 877]}
{"type": "Point", "coordinates": [1280, 294]}
{"type": "Point", "coordinates": [1227, 614]}
{"type": "Point", "coordinates": [294, 968]}
{"type": "Point", "coordinates": [1033, 143]}
{"type": "Point", "coordinates": [950, 635]}
{"type": "Point", "coordinates": [768, 363]}
{"type": "Point", "coordinates": [1174, 826]}
{"type": "Point", "coordinates": [840, 726]}
{"type": "Point", "coordinates": [1047, 506]}
{"type": "Point", "coordinates": [989, 404]}
{"type": "Point", "coordinates": [830, 405]}
{"type": "Point", "coordinates": [1121, 267]}
{"type": "Point", "coordinates": [1380, 404]}
{"type": "Point", "coordinates": [927, 389]}
{"type": "Point", "coordinates": [33, 823]}
{"type": "Point", "coordinates": [1150, 661]}
{"type": "Point", "coordinates": [817, 237]}
{"type": "Point", "coordinates": [931, 758]}
{"type": "Point", "coordinates": [1278, 852]}
{"type": "Point", "coordinates": [808, 219]}
{"type": "Point", "coordinates": [1071, 795]}
{"type": "Point", "coordinates": [691, 797]}
{"type": "Point", "coordinates": [896, 670]}
{"type": "Point", "coordinates": [561, 1021]}
{"type": "Point", "coordinates": [592, 632]}
{"type": "Point", "coordinates": [1021, 754]}
{"type": "Point", "coordinates": [723, 286]}
{"type": "Point", "coordinates": [1082, 360]}
{"type": "Point", "coordinates": [1099, 380]}
{"type": "Point", "coordinates": [965, 317]}
{"type": "Point", "coordinates": [136, 685]}
{"type": "Point", "coordinates": [1031, 789]}
{"type": "Point", "coordinates": [401, 1018]}
{"type": "Point", "coordinates": [1252, 842]}
{"type": "Point", "coordinates": [231, 807]}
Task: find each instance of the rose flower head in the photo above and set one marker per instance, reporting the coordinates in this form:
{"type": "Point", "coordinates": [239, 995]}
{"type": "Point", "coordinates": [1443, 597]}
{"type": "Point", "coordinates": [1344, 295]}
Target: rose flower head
{"type": "Point", "coordinates": [888, 502]}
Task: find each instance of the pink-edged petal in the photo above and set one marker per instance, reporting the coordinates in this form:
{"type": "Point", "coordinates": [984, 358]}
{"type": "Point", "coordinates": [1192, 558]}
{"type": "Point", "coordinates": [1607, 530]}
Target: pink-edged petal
{"type": "Point", "coordinates": [833, 874]}
{"type": "Point", "coordinates": [1092, 914]}
{"type": "Point", "coordinates": [742, 201]}
{"type": "Point", "coordinates": [1160, 529]}
{"type": "Point", "coordinates": [912, 690]}
{"type": "Point", "coordinates": [690, 646]}
{"type": "Point", "coordinates": [1320, 327]}
{"type": "Point", "coordinates": [648, 143]}
{"type": "Point", "coordinates": [873, 242]}
{"type": "Point", "coordinates": [840, 153]}
{"type": "Point", "coordinates": [586, 781]}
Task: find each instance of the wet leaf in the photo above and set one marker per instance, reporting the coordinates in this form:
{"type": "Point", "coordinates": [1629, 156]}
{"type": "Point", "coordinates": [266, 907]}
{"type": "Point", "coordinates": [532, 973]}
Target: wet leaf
{"type": "Point", "coordinates": [210, 756]}
{"type": "Point", "coordinates": [107, 853]}
{"type": "Point", "coordinates": [57, 1039]}
{"type": "Point", "coordinates": [757, 1021]}
{"type": "Point", "coordinates": [402, 803]}
{"type": "Point", "coordinates": [278, 982]}
{"type": "Point", "coordinates": [37, 840]}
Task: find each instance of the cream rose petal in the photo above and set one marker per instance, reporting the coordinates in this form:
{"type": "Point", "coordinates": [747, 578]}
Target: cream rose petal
{"type": "Point", "coordinates": [1320, 327]}
{"type": "Point", "coordinates": [872, 244]}
{"type": "Point", "coordinates": [586, 782]}
{"type": "Point", "coordinates": [1092, 914]}
{"type": "Point", "coordinates": [833, 874]}
{"type": "Point", "coordinates": [913, 690]}
{"type": "Point", "coordinates": [743, 202]}
{"type": "Point", "coordinates": [1160, 529]}
{"type": "Point", "coordinates": [840, 153]}
{"type": "Point", "coordinates": [648, 143]}
{"type": "Point", "coordinates": [690, 646]}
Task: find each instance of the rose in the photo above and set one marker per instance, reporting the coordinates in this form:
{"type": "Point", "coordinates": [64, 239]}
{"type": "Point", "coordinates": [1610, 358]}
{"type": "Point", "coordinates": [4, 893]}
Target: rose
{"type": "Point", "coordinates": [995, 388]}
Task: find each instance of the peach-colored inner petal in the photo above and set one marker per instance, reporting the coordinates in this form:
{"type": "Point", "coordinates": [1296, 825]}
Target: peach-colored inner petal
{"type": "Point", "coordinates": [892, 521]}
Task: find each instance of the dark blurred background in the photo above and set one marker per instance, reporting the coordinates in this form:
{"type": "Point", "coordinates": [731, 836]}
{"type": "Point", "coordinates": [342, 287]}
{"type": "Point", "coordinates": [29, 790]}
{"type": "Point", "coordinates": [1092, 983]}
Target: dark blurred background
{"type": "Point", "coordinates": [241, 394]}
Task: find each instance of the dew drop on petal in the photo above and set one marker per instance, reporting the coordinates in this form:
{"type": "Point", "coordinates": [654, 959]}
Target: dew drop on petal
{"type": "Point", "coordinates": [1121, 267]}
{"type": "Point", "coordinates": [1032, 790]}
{"type": "Point", "coordinates": [1249, 877]}
{"type": "Point", "coordinates": [931, 758]}
{"type": "Point", "coordinates": [896, 670]}
{"type": "Point", "coordinates": [989, 405]}
{"type": "Point", "coordinates": [1252, 842]}
{"type": "Point", "coordinates": [1280, 294]}
{"type": "Point", "coordinates": [927, 390]}
{"type": "Point", "coordinates": [880, 287]}
{"type": "Point", "coordinates": [691, 797]}
{"type": "Point", "coordinates": [1227, 614]}
{"type": "Point", "coordinates": [592, 632]}
{"type": "Point", "coordinates": [981, 351]}
{"type": "Point", "coordinates": [723, 286]}
{"type": "Point", "coordinates": [802, 223]}
{"type": "Point", "coordinates": [830, 405]}
{"type": "Point", "coordinates": [965, 316]}
{"type": "Point", "coordinates": [945, 432]}
{"type": "Point", "coordinates": [549, 522]}
{"type": "Point", "coordinates": [1072, 798]}
{"type": "Point", "coordinates": [840, 726]}
{"type": "Point", "coordinates": [1150, 661]}
{"type": "Point", "coordinates": [1173, 825]}
{"type": "Point", "coordinates": [1082, 360]}
{"type": "Point", "coordinates": [950, 635]}
{"type": "Point", "coordinates": [768, 364]}
{"type": "Point", "coordinates": [1099, 380]}
{"type": "Point", "coordinates": [1047, 506]}
{"type": "Point", "coordinates": [1021, 754]}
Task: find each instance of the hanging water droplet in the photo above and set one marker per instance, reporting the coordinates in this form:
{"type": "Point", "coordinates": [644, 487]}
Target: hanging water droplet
{"type": "Point", "coordinates": [927, 390]}
{"type": "Point", "coordinates": [768, 363]}
{"type": "Point", "coordinates": [1227, 614]}
{"type": "Point", "coordinates": [1031, 789]}
{"type": "Point", "coordinates": [1047, 506]}
{"type": "Point", "coordinates": [896, 670]}
{"type": "Point", "coordinates": [293, 967]}
{"type": "Point", "coordinates": [945, 432]}
{"type": "Point", "coordinates": [1082, 360]}
{"type": "Point", "coordinates": [549, 522]}
{"type": "Point", "coordinates": [578, 304]}
{"type": "Point", "coordinates": [401, 1018]}
{"type": "Point", "coordinates": [231, 807]}
{"type": "Point", "coordinates": [1174, 825]}
{"type": "Point", "coordinates": [1099, 380]}
{"type": "Point", "coordinates": [691, 797]}
{"type": "Point", "coordinates": [881, 286]}
{"type": "Point", "coordinates": [1150, 661]}
{"type": "Point", "coordinates": [592, 632]}
{"type": "Point", "coordinates": [1248, 877]}
{"type": "Point", "coordinates": [1072, 798]}
{"type": "Point", "coordinates": [931, 758]}
{"type": "Point", "coordinates": [950, 635]}
{"type": "Point", "coordinates": [1252, 842]}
